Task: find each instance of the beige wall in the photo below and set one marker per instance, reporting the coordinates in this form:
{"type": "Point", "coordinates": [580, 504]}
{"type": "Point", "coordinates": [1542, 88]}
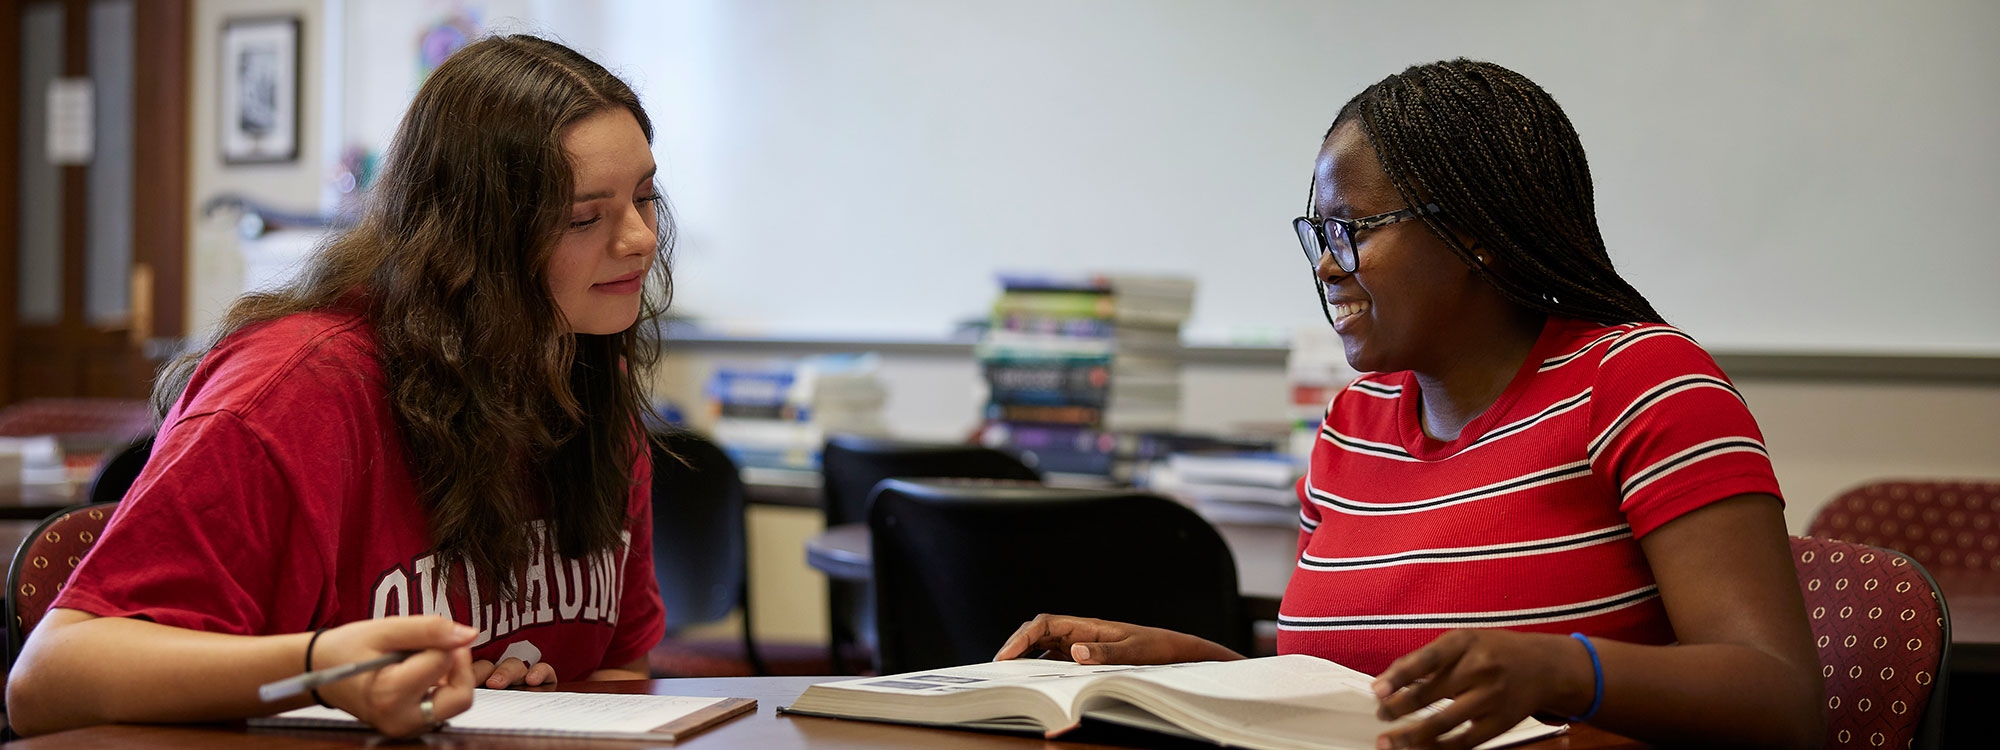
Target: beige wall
{"type": "Point", "coordinates": [215, 270]}
{"type": "Point", "coordinates": [1824, 437]}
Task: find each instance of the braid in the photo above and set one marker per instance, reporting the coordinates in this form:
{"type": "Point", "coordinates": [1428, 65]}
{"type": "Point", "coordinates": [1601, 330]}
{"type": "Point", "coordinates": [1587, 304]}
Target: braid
{"type": "Point", "coordinates": [1494, 150]}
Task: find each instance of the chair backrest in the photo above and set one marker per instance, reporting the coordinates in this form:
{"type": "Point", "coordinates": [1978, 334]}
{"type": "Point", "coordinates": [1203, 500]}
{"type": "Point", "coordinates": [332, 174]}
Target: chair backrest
{"type": "Point", "coordinates": [852, 465]}
{"type": "Point", "coordinates": [1884, 638]}
{"type": "Point", "coordinates": [119, 470]}
{"type": "Point", "coordinates": [1946, 525]}
{"type": "Point", "coordinates": [699, 552]}
{"type": "Point", "coordinates": [958, 566]}
{"type": "Point", "coordinates": [43, 564]}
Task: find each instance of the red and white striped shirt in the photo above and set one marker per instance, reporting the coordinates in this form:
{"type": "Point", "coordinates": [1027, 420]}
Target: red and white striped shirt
{"type": "Point", "coordinates": [1530, 519]}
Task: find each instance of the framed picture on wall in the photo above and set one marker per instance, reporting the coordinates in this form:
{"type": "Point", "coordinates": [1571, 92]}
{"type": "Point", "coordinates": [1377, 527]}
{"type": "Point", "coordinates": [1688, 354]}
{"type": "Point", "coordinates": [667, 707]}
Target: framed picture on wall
{"type": "Point", "coordinates": [259, 93]}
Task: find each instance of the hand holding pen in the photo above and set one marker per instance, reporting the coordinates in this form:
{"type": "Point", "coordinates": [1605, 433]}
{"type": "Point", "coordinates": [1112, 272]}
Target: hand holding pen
{"type": "Point", "coordinates": [272, 692]}
{"type": "Point", "coordinates": [389, 671]}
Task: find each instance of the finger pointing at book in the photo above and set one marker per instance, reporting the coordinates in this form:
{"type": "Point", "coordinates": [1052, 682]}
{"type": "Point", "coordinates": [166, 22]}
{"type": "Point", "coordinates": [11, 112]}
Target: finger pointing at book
{"type": "Point", "coordinates": [391, 699]}
{"type": "Point", "coordinates": [1088, 641]}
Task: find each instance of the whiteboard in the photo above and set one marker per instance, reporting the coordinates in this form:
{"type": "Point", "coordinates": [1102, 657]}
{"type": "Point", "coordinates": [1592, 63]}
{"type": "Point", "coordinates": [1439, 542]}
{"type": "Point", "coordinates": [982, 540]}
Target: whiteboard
{"type": "Point", "coordinates": [1780, 176]}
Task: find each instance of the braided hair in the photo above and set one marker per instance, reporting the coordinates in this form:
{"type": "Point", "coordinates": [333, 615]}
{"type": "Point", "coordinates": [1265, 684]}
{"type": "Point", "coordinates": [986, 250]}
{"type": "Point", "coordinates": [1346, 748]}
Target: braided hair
{"type": "Point", "coordinates": [1494, 150]}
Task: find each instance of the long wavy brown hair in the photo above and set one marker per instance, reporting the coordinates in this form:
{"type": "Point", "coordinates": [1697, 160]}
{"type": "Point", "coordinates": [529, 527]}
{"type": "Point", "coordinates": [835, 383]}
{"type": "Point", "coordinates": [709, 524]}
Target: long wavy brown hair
{"type": "Point", "coordinates": [507, 417]}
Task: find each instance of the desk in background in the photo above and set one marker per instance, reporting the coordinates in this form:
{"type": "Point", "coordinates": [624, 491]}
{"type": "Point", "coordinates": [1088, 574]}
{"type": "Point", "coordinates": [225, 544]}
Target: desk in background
{"type": "Point", "coordinates": [787, 488]}
{"type": "Point", "coordinates": [1265, 557]}
{"type": "Point", "coordinates": [34, 502]}
{"type": "Point", "coordinates": [762, 729]}
{"type": "Point", "coordinates": [1974, 602]}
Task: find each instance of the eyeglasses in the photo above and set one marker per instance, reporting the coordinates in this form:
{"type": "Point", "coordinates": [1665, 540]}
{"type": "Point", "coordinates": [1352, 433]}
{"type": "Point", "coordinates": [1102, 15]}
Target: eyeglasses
{"type": "Point", "coordinates": [1336, 236]}
{"type": "Point", "coordinates": [1319, 239]}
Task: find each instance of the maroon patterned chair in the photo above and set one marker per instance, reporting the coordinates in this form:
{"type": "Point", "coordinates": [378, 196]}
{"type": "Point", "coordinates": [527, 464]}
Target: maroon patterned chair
{"type": "Point", "coordinates": [43, 565]}
{"type": "Point", "coordinates": [1884, 639]}
{"type": "Point", "coordinates": [1946, 525]}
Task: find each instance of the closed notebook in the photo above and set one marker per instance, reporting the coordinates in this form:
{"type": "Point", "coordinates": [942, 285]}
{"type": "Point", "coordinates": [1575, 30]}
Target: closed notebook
{"type": "Point", "coordinates": [591, 715]}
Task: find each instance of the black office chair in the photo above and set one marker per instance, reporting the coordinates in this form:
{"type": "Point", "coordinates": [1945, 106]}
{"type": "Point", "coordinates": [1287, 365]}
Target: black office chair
{"type": "Point", "coordinates": [700, 553]}
{"type": "Point", "coordinates": [851, 466]}
{"type": "Point", "coordinates": [959, 566]}
{"type": "Point", "coordinates": [119, 470]}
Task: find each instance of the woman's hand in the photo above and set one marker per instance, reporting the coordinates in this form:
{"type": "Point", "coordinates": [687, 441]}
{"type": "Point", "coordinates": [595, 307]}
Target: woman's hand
{"type": "Point", "coordinates": [1495, 679]}
{"type": "Point", "coordinates": [391, 698]}
{"type": "Point", "coordinates": [1088, 641]}
{"type": "Point", "coordinates": [512, 671]}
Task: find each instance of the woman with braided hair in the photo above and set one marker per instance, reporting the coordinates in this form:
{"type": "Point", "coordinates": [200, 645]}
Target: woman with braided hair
{"type": "Point", "coordinates": [1541, 500]}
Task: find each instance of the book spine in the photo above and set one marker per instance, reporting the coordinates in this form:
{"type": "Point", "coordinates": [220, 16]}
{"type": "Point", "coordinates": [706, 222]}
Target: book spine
{"type": "Point", "coordinates": [749, 386]}
{"type": "Point", "coordinates": [1086, 327]}
{"type": "Point", "coordinates": [1081, 382]}
{"type": "Point", "coordinates": [1063, 448]}
{"type": "Point", "coordinates": [744, 410]}
{"type": "Point", "coordinates": [1055, 304]}
{"type": "Point", "coordinates": [1040, 282]}
{"type": "Point", "coordinates": [1088, 416]}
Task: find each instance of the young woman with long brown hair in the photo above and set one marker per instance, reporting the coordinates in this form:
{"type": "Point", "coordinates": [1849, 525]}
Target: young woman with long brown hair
{"type": "Point", "coordinates": [431, 442]}
{"type": "Point", "coordinates": [1541, 499]}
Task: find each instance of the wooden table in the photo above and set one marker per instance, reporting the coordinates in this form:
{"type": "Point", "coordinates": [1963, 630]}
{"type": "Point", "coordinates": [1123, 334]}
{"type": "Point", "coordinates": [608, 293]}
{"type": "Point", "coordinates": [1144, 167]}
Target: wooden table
{"type": "Point", "coordinates": [764, 729]}
{"type": "Point", "coordinates": [1265, 557]}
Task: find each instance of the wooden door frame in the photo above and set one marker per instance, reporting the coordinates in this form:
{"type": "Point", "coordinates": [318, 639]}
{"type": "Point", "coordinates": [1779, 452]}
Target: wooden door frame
{"type": "Point", "coordinates": [164, 54]}
{"type": "Point", "coordinates": [10, 190]}
{"type": "Point", "coordinates": [163, 46]}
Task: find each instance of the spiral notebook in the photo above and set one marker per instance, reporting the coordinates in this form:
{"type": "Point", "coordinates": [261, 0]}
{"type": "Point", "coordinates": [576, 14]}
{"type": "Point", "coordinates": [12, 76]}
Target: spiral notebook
{"type": "Point", "coordinates": [587, 715]}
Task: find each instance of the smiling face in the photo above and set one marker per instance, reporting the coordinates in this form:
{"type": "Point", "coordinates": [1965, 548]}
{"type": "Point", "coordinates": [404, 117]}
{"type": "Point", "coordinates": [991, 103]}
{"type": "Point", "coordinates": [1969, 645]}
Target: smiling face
{"type": "Point", "coordinates": [1408, 293]}
{"type": "Point", "coordinates": [597, 271]}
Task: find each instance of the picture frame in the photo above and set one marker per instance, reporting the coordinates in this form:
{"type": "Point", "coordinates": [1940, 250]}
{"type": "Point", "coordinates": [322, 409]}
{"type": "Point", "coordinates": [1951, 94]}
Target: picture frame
{"type": "Point", "coordinates": [258, 116]}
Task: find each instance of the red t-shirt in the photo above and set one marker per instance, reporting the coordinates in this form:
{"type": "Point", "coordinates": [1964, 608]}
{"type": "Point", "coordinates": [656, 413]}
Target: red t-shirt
{"type": "Point", "coordinates": [1530, 519]}
{"type": "Point", "coordinates": [279, 499]}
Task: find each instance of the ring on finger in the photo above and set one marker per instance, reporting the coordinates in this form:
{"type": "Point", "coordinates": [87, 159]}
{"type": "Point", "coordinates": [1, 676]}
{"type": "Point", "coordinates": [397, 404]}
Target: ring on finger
{"type": "Point", "coordinates": [429, 709]}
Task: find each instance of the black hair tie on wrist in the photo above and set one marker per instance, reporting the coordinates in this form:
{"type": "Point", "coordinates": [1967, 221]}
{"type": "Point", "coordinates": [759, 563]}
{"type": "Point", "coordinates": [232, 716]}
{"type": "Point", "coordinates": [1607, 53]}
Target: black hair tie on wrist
{"type": "Point", "coordinates": [309, 665]}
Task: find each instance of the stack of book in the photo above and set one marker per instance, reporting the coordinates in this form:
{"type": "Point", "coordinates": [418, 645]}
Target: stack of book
{"type": "Point", "coordinates": [1072, 363]}
{"type": "Point", "coordinates": [776, 415]}
{"type": "Point", "coordinates": [1316, 368]}
{"type": "Point", "coordinates": [1235, 487]}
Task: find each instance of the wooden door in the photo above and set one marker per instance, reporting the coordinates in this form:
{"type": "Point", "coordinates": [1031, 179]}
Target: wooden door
{"type": "Point", "coordinates": [92, 250]}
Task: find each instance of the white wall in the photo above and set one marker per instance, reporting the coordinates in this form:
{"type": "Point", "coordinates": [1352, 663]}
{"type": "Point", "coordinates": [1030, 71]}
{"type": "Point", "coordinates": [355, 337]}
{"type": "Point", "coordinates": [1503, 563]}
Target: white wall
{"type": "Point", "coordinates": [215, 269]}
{"type": "Point", "coordinates": [1779, 175]}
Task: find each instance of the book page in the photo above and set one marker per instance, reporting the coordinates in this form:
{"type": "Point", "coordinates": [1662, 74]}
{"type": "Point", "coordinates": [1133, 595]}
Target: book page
{"type": "Point", "coordinates": [1059, 680]}
{"type": "Point", "coordinates": [524, 712]}
{"type": "Point", "coordinates": [1281, 701]}
{"type": "Point", "coordinates": [1265, 679]}
{"type": "Point", "coordinates": [576, 712]}
{"type": "Point", "coordinates": [1020, 693]}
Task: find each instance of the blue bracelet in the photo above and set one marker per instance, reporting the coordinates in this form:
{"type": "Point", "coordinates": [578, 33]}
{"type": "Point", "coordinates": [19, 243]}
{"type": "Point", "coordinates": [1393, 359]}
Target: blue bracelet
{"type": "Point", "coordinates": [1596, 667]}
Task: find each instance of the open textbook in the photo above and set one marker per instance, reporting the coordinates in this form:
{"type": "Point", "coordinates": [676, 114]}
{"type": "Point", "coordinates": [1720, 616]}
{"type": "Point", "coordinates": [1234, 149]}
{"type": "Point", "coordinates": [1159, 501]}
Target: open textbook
{"type": "Point", "coordinates": [617, 716]}
{"type": "Point", "coordinates": [1272, 703]}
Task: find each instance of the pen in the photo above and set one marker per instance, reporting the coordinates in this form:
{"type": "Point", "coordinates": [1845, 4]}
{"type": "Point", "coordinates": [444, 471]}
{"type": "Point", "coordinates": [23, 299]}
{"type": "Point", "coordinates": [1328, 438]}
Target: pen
{"type": "Point", "coordinates": [290, 686]}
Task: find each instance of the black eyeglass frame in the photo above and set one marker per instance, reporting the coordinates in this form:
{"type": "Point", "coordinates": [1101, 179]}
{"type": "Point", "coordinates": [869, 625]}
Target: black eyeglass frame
{"type": "Point", "coordinates": [1313, 238]}
{"type": "Point", "coordinates": [1317, 241]}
